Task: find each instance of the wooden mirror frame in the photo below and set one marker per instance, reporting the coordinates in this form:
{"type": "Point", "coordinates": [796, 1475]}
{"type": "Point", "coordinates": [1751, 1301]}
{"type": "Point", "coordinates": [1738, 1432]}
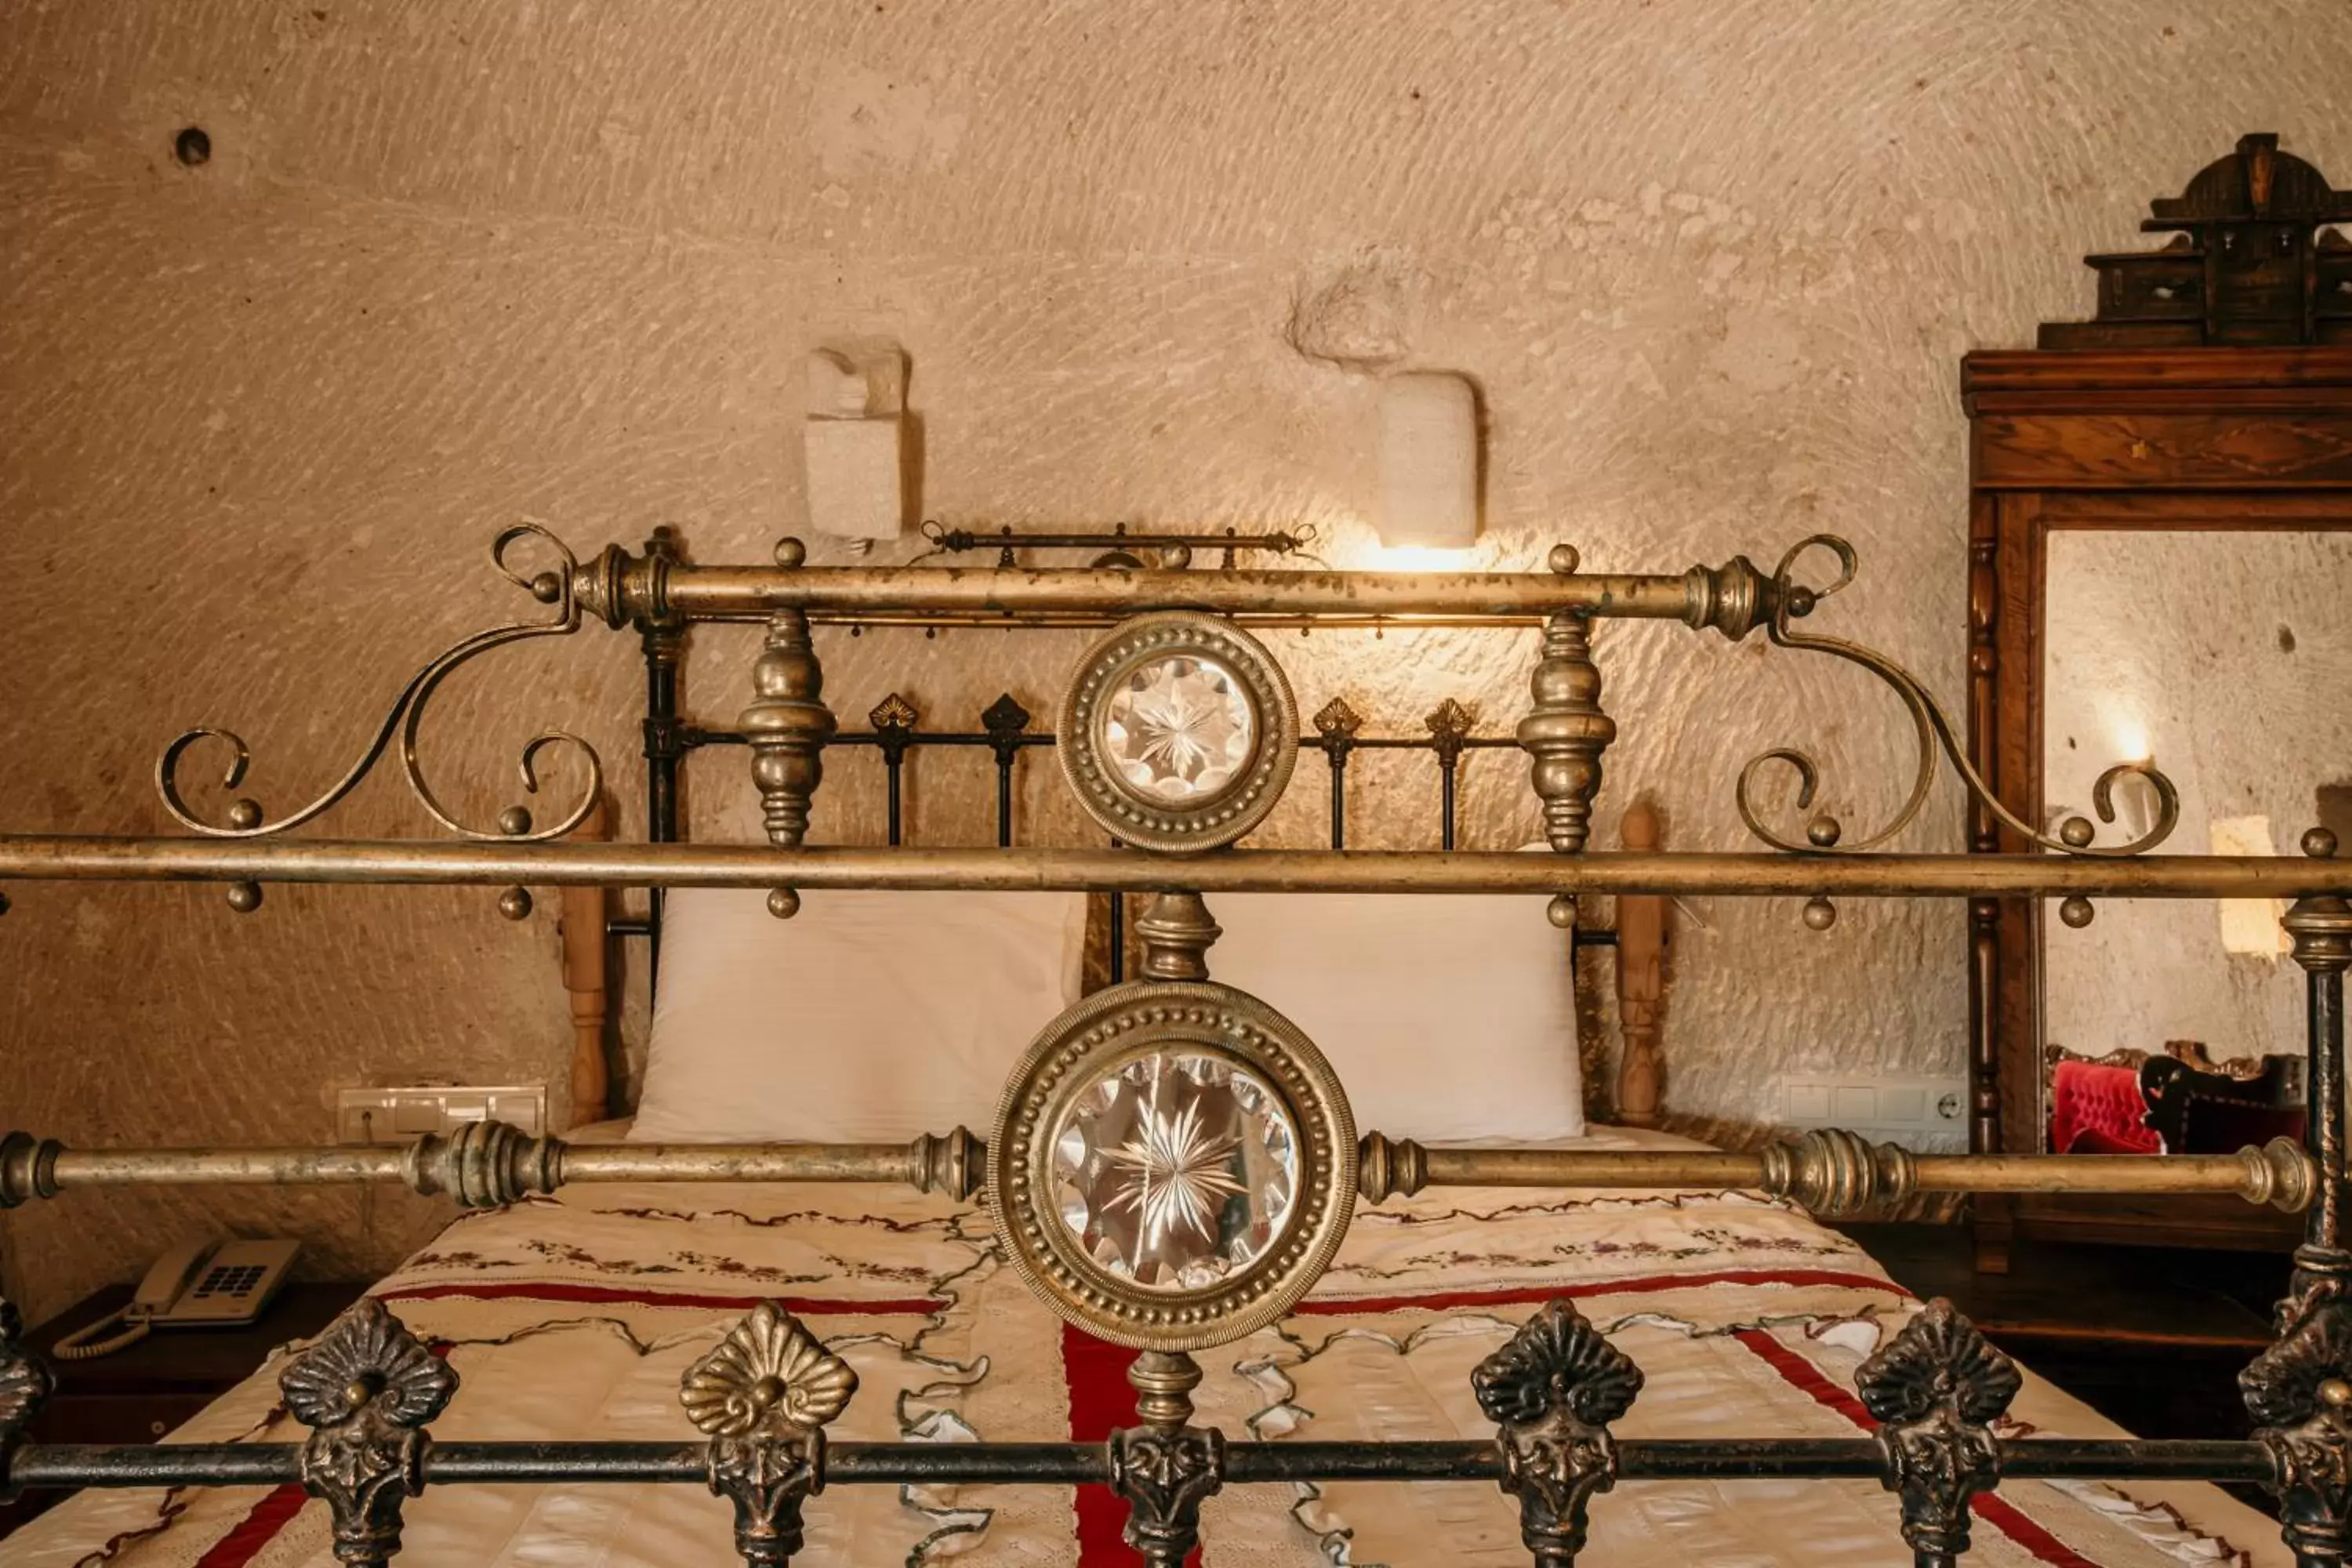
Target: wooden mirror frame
{"type": "Point", "coordinates": [2145, 439]}
{"type": "Point", "coordinates": [2213, 390]}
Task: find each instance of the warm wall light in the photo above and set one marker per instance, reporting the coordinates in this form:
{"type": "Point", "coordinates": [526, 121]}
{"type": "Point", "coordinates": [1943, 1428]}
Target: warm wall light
{"type": "Point", "coordinates": [1429, 461]}
{"type": "Point", "coordinates": [2131, 740]}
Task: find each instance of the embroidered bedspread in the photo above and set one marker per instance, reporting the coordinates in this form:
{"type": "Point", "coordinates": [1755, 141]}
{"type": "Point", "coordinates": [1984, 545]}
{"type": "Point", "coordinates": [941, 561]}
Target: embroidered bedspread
{"type": "Point", "coordinates": [575, 1317]}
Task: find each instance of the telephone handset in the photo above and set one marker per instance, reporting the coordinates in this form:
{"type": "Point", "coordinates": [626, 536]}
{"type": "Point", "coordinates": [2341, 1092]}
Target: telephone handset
{"type": "Point", "coordinates": [203, 1283]}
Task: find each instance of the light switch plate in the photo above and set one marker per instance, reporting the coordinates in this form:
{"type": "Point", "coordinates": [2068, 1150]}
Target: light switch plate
{"type": "Point", "coordinates": [1927, 1115]}
{"type": "Point", "coordinates": [401, 1114]}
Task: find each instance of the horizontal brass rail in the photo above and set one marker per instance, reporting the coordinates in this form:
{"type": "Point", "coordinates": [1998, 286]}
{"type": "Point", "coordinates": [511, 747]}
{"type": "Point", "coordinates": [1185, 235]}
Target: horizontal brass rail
{"type": "Point", "coordinates": [86, 858]}
{"type": "Point", "coordinates": [1736, 595]}
{"type": "Point", "coordinates": [1828, 1171]}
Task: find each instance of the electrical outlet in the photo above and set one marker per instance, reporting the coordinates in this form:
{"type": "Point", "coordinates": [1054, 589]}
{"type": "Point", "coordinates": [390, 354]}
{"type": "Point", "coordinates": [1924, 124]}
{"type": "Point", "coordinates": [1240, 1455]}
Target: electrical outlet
{"type": "Point", "coordinates": [400, 1115]}
{"type": "Point", "coordinates": [1928, 1115]}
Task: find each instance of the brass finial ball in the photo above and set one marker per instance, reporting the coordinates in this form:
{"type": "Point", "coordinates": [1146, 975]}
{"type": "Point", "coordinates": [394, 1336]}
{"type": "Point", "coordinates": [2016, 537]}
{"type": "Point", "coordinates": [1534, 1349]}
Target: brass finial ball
{"type": "Point", "coordinates": [244, 815]}
{"type": "Point", "coordinates": [1819, 914]}
{"type": "Point", "coordinates": [2319, 843]}
{"type": "Point", "coordinates": [791, 552]}
{"type": "Point", "coordinates": [1564, 560]}
{"type": "Point", "coordinates": [2077, 833]}
{"type": "Point", "coordinates": [1561, 910]}
{"type": "Point", "coordinates": [783, 904]}
{"type": "Point", "coordinates": [547, 587]}
{"type": "Point", "coordinates": [2076, 911]}
{"type": "Point", "coordinates": [515, 821]}
{"type": "Point", "coordinates": [515, 904]}
{"type": "Point", "coordinates": [244, 897]}
{"type": "Point", "coordinates": [1175, 557]}
{"type": "Point", "coordinates": [2335, 1390]}
{"type": "Point", "coordinates": [1823, 831]}
{"type": "Point", "coordinates": [1801, 603]}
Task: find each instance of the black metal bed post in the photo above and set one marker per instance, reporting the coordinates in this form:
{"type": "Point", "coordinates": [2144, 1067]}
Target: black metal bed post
{"type": "Point", "coordinates": [1449, 730]}
{"type": "Point", "coordinates": [2300, 1390]}
{"type": "Point", "coordinates": [1004, 719]}
{"type": "Point", "coordinates": [662, 637]}
{"type": "Point", "coordinates": [894, 720]}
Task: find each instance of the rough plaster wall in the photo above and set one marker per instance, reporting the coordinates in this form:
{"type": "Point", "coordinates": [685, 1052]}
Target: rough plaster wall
{"type": "Point", "coordinates": [2228, 658]}
{"type": "Point", "coordinates": [1712, 266]}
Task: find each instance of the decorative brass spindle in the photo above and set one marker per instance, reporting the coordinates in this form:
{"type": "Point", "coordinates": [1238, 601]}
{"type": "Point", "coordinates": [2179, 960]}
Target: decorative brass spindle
{"type": "Point", "coordinates": [1824, 835]}
{"type": "Point", "coordinates": [2300, 1393]}
{"type": "Point", "coordinates": [787, 726]}
{"type": "Point", "coordinates": [1177, 933]}
{"type": "Point", "coordinates": [366, 1388]}
{"type": "Point", "coordinates": [894, 720]}
{"type": "Point", "coordinates": [1164, 1468]}
{"type": "Point", "coordinates": [1566, 730]}
{"type": "Point", "coordinates": [763, 1397]}
{"type": "Point", "coordinates": [553, 587]}
{"type": "Point", "coordinates": [1449, 724]}
{"type": "Point", "coordinates": [1337, 724]}
{"type": "Point", "coordinates": [1937, 1388]}
{"type": "Point", "coordinates": [1553, 1390]}
{"type": "Point", "coordinates": [25, 1385]}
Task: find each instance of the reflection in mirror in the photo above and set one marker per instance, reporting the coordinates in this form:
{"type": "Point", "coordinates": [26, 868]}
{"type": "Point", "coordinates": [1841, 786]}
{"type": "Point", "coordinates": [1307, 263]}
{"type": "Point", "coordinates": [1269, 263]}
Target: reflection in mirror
{"type": "Point", "coordinates": [2226, 656]}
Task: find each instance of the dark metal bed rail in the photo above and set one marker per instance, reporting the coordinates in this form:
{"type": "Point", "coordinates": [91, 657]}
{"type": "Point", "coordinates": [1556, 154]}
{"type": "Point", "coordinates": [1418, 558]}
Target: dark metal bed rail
{"type": "Point", "coordinates": [765, 1396]}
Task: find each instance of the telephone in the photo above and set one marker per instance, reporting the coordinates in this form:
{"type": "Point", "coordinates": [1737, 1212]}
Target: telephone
{"type": "Point", "coordinates": [199, 1283]}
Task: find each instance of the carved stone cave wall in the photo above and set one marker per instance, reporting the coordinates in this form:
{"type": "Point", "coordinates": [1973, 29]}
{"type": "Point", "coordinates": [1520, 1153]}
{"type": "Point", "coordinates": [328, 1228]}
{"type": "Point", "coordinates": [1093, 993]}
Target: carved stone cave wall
{"type": "Point", "coordinates": [449, 267]}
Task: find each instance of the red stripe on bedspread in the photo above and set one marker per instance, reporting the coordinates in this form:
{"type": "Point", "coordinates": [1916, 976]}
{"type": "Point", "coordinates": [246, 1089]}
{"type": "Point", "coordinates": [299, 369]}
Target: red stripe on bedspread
{"type": "Point", "coordinates": [1995, 1511]}
{"type": "Point", "coordinates": [1638, 1285]}
{"type": "Point", "coordinates": [1101, 1400]}
{"type": "Point", "coordinates": [804, 1306]}
{"type": "Point", "coordinates": [257, 1530]}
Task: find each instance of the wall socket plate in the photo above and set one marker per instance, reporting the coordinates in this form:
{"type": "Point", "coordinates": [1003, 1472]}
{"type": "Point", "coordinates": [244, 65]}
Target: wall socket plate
{"type": "Point", "coordinates": [1927, 1115]}
{"type": "Point", "coordinates": [401, 1114]}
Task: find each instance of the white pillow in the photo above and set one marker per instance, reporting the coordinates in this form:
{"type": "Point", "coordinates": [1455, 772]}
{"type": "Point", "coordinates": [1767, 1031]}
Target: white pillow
{"type": "Point", "coordinates": [1448, 1017]}
{"type": "Point", "coordinates": [866, 1019]}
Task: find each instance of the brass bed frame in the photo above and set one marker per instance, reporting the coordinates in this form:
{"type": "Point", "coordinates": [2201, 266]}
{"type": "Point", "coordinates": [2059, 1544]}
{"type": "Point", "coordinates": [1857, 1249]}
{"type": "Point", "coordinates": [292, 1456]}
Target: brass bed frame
{"type": "Point", "coordinates": [763, 1397]}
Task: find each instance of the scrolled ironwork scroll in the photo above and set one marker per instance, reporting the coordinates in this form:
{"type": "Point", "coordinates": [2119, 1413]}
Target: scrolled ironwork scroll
{"type": "Point", "coordinates": [552, 587]}
{"type": "Point", "coordinates": [1824, 835]}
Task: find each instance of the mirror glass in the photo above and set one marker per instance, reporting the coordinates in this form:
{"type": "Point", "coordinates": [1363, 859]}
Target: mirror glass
{"type": "Point", "coordinates": [1174, 1169]}
{"type": "Point", "coordinates": [1179, 729]}
{"type": "Point", "coordinates": [2226, 656]}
